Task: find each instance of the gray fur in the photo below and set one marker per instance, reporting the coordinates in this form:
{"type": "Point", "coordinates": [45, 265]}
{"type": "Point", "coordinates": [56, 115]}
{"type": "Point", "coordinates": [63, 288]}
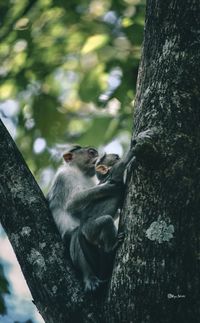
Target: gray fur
{"type": "Point", "coordinates": [80, 207]}
{"type": "Point", "coordinates": [70, 180]}
{"type": "Point", "coordinates": [97, 220]}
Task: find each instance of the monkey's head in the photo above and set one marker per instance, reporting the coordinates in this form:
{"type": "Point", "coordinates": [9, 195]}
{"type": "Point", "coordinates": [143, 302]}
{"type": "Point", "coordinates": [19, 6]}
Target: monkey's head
{"type": "Point", "coordinates": [104, 165]}
{"type": "Point", "coordinates": [82, 157]}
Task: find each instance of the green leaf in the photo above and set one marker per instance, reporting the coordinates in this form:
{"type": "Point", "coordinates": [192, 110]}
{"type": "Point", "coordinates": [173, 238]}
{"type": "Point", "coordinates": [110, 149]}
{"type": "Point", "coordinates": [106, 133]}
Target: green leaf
{"type": "Point", "coordinates": [94, 42]}
{"type": "Point", "coordinates": [95, 134]}
{"type": "Point", "coordinates": [93, 84]}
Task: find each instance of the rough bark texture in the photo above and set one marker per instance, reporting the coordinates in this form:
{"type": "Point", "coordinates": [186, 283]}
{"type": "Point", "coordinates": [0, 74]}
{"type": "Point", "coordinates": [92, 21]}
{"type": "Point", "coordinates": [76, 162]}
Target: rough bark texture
{"type": "Point", "coordinates": [157, 278]}
{"type": "Point", "coordinates": [29, 225]}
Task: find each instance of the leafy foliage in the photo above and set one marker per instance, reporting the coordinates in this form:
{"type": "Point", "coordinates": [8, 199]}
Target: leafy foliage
{"type": "Point", "coordinates": [71, 66]}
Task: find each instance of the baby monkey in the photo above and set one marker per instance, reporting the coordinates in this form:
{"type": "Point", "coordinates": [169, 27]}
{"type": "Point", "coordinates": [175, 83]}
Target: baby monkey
{"type": "Point", "coordinates": [94, 242]}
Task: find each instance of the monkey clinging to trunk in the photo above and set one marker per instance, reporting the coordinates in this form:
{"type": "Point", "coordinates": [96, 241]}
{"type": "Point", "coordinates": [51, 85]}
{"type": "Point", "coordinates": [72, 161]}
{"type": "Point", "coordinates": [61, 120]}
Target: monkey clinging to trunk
{"type": "Point", "coordinates": [93, 243]}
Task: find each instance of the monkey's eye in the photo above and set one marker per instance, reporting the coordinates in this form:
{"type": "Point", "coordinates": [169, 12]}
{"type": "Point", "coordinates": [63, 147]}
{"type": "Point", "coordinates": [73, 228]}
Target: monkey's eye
{"type": "Point", "coordinates": [117, 157]}
{"type": "Point", "coordinates": [92, 152]}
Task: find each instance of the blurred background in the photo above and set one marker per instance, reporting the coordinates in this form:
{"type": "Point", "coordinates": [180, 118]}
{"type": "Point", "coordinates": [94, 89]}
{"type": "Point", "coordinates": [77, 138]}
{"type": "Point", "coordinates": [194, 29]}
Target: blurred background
{"type": "Point", "coordinates": [67, 75]}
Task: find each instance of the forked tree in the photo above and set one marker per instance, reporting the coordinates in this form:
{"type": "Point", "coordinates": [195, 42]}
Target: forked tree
{"type": "Point", "coordinates": [156, 273]}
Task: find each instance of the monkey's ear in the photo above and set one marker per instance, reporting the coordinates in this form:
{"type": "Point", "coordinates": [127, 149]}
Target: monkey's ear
{"type": "Point", "coordinates": [68, 157]}
{"type": "Point", "coordinates": [102, 169]}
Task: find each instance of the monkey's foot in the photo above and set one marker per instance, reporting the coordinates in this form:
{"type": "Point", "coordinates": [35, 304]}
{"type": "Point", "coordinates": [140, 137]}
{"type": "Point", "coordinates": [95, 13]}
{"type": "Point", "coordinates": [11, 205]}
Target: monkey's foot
{"type": "Point", "coordinates": [92, 284]}
{"type": "Point", "coordinates": [120, 237]}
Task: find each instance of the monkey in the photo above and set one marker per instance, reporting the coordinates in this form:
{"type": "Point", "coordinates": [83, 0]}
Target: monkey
{"type": "Point", "coordinates": [94, 242]}
{"type": "Point", "coordinates": [72, 192]}
{"type": "Point", "coordinates": [72, 180]}
{"type": "Point", "coordinates": [73, 187]}
{"type": "Point", "coordinates": [74, 175]}
{"type": "Point", "coordinates": [85, 212]}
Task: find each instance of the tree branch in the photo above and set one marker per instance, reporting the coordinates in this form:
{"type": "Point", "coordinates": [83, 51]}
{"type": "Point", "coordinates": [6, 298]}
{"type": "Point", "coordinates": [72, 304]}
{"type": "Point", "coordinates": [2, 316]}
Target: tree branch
{"type": "Point", "coordinates": [30, 228]}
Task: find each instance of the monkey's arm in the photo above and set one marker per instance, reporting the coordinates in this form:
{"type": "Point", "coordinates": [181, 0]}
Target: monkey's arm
{"type": "Point", "coordinates": [82, 199]}
{"type": "Point", "coordinates": [118, 169]}
{"type": "Point", "coordinates": [143, 148]}
{"type": "Point", "coordinates": [59, 191]}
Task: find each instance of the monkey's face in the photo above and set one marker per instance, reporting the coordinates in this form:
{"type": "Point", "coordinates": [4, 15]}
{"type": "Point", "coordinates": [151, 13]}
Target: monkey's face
{"type": "Point", "coordinates": [84, 158]}
{"type": "Point", "coordinates": [104, 165]}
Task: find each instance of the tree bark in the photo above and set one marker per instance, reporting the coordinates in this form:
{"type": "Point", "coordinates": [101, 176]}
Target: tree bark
{"type": "Point", "coordinates": [156, 277]}
{"type": "Point", "coordinates": [29, 225]}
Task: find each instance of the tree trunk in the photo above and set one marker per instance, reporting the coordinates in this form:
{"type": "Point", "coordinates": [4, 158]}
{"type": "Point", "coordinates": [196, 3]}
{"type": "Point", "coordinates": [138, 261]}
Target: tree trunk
{"type": "Point", "coordinates": [157, 272]}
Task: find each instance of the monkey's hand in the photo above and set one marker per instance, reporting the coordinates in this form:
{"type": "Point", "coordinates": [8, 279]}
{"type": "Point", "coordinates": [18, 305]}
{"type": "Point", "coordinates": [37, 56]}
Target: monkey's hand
{"type": "Point", "coordinates": [92, 284]}
{"type": "Point", "coordinates": [146, 148]}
